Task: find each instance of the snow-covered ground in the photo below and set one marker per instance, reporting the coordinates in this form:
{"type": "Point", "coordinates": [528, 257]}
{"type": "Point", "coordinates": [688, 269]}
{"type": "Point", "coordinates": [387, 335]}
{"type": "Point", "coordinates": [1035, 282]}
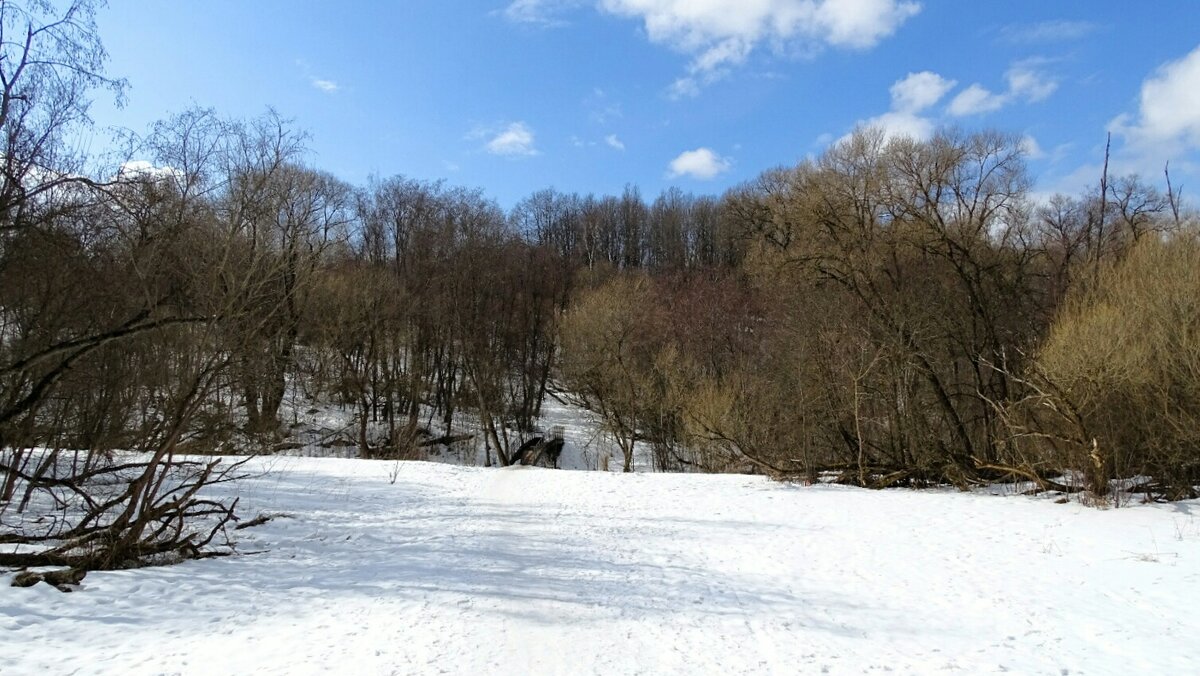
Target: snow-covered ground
{"type": "Point", "coordinates": [527, 571]}
{"type": "Point", "coordinates": [321, 429]}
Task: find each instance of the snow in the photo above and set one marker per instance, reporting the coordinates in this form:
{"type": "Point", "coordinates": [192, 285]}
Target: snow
{"type": "Point", "coordinates": [585, 441]}
{"type": "Point", "coordinates": [317, 429]}
{"type": "Point", "coordinates": [466, 570]}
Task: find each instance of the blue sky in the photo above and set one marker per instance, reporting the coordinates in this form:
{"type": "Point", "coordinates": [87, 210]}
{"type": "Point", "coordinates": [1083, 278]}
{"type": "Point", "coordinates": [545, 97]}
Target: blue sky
{"type": "Point", "coordinates": [588, 95]}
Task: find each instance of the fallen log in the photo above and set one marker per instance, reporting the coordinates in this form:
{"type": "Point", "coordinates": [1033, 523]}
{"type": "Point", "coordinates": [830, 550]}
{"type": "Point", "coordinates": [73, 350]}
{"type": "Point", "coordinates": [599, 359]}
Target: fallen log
{"type": "Point", "coordinates": [62, 580]}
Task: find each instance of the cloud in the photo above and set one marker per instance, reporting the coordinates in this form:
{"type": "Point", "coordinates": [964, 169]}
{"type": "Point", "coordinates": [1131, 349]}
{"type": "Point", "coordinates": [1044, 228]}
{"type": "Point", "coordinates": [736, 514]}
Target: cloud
{"type": "Point", "coordinates": [514, 140]}
{"type": "Point", "coordinates": [916, 93]}
{"type": "Point", "coordinates": [601, 108]}
{"type": "Point", "coordinates": [861, 23]}
{"type": "Point", "coordinates": [327, 86]}
{"type": "Point", "coordinates": [898, 123]}
{"type": "Point", "coordinates": [1056, 30]}
{"type": "Point", "coordinates": [919, 91]}
{"type": "Point", "coordinates": [912, 96]}
{"type": "Point", "coordinates": [544, 13]}
{"type": "Point", "coordinates": [1169, 107]}
{"type": "Point", "coordinates": [1026, 82]}
{"type": "Point", "coordinates": [319, 83]}
{"type": "Point", "coordinates": [701, 164]}
{"type": "Point", "coordinates": [1031, 147]}
{"type": "Point", "coordinates": [135, 170]}
{"type": "Point", "coordinates": [976, 100]}
{"type": "Point", "coordinates": [721, 34]}
{"type": "Point", "coordinates": [1164, 127]}
{"type": "Point", "coordinates": [612, 141]}
{"type": "Point", "coordinates": [686, 87]}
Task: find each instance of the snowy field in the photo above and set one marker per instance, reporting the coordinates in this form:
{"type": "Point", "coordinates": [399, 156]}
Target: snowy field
{"type": "Point", "coordinates": [528, 571]}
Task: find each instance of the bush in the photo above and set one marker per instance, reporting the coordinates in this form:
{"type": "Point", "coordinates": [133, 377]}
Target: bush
{"type": "Point", "coordinates": [1124, 360]}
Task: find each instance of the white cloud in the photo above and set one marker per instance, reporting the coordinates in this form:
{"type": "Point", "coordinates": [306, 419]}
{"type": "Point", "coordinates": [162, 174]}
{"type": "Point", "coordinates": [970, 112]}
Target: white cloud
{"type": "Point", "coordinates": [514, 140]}
{"type": "Point", "coordinates": [900, 123]}
{"type": "Point", "coordinates": [1169, 107]}
{"type": "Point", "coordinates": [601, 108]}
{"type": "Point", "coordinates": [919, 91]}
{"type": "Point", "coordinates": [916, 93]}
{"type": "Point", "coordinates": [612, 141]}
{"type": "Point", "coordinates": [976, 100]}
{"type": "Point", "coordinates": [701, 163]}
{"type": "Point", "coordinates": [686, 87]}
{"type": "Point", "coordinates": [1165, 127]}
{"type": "Point", "coordinates": [547, 13]}
{"type": "Point", "coordinates": [720, 34]}
{"type": "Point", "coordinates": [1026, 82]}
{"type": "Point", "coordinates": [860, 23]}
{"type": "Point", "coordinates": [526, 11]}
{"type": "Point", "coordinates": [327, 86]}
{"type": "Point", "coordinates": [911, 97]}
{"type": "Point", "coordinates": [134, 170]}
{"type": "Point", "coordinates": [1031, 147]}
{"type": "Point", "coordinates": [1056, 30]}
{"type": "Point", "coordinates": [137, 168]}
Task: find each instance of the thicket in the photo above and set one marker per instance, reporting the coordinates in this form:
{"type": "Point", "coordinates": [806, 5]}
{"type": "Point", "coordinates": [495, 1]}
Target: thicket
{"type": "Point", "coordinates": [901, 313]}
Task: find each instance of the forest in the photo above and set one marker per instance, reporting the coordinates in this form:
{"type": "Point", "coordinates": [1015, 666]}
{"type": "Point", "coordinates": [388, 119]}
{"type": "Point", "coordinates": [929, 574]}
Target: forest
{"type": "Point", "coordinates": [893, 312]}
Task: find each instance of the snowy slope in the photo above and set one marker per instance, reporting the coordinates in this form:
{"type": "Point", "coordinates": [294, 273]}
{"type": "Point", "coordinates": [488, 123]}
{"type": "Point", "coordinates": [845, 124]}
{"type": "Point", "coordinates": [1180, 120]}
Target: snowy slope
{"type": "Point", "coordinates": [527, 571]}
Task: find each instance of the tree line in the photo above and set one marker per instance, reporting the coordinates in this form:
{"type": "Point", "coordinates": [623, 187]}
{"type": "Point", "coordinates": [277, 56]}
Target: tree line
{"type": "Point", "coordinates": [901, 312]}
{"type": "Point", "coordinates": [893, 312]}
